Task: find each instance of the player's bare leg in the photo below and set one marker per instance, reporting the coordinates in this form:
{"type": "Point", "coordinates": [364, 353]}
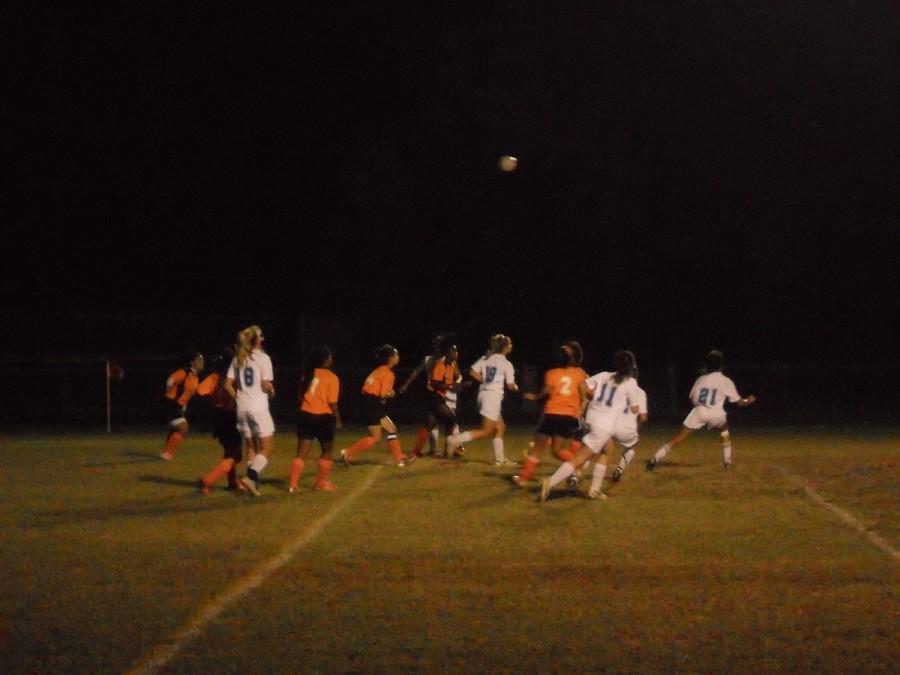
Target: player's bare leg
{"type": "Point", "coordinates": [667, 447]}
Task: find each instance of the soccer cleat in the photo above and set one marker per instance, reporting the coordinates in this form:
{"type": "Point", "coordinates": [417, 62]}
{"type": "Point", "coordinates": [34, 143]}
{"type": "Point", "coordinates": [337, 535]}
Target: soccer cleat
{"type": "Point", "coordinates": [460, 451]}
{"type": "Point", "coordinates": [617, 474]}
{"type": "Point", "coordinates": [294, 490]}
{"type": "Point", "coordinates": [503, 462]}
{"type": "Point", "coordinates": [345, 458]}
{"type": "Point", "coordinates": [202, 487]}
{"type": "Point", "coordinates": [596, 494]}
{"type": "Point", "coordinates": [574, 479]}
{"type": "Point", "coordinates": [519, 481]}
{"type": "Point", "coordinates": [325, 486]}
{"type": "Point", "coordinates": [651, 463]}
{"type": "Point", "coordinates": [726, 465]}
{"type": "Point", "coordinates": [251, 485]}
{"type": "Point", "coordinates": [412, 457]}
{"type": "Point", "coordinates": [168, 456]}
{"type": "Point", "coordinates": [545, 489]}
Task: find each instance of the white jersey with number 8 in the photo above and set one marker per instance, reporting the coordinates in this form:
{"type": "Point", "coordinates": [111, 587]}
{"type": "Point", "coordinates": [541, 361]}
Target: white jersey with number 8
{"type": "Point", "coordinates": [248, 381]}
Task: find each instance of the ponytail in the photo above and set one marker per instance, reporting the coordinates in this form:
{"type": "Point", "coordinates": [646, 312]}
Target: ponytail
{"type": "Point", "coordinates": [624, 363]}
{"type": "Point", "coordinates": [247, 340]}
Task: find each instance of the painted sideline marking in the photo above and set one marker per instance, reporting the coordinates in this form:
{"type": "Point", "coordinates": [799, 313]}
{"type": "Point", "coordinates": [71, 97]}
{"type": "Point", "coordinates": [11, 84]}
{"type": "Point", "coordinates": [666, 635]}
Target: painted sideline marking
{"type": "Point", "coordinates": [165, 652]}
{"type": "Point", "coordinates": [846, 516]}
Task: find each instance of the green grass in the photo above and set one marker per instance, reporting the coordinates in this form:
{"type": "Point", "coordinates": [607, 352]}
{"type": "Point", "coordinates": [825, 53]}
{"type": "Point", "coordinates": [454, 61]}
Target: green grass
{"type": "Point", "coordinates": [444, 567]}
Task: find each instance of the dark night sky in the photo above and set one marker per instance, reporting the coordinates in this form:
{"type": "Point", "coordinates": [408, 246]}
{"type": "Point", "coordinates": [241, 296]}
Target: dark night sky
{"type": "Point", "coordinates": [691, 173]}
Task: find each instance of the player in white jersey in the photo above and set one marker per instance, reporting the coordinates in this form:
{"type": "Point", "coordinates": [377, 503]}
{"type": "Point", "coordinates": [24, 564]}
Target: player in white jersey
{"type": "Point", "coordinates": [626, 432]}
{"type": "Point", "coordinates": [250, 380]}
{"type": "Point", "coordinates": [708, 395]}
{"type": "Point", "coordinates": [609, 393]}
{"type": "Point", "coordinates": [495, 375]}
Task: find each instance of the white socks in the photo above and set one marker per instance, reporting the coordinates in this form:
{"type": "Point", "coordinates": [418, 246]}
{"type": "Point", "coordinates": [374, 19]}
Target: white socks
{"type": "Point", "coordinates": [432, 440]}
{"type": "Point", "coordinates": [597, 479]}
{"type": "Point", "coordinates": [626, 458]}
{"type": "Point", "coordinates": [498, 449]}
{"type": "Point", "coordinates": [259, 463]}
{"type": "Point", "coordinates": [662, 452]}
{"type": "Point", "coordinates": [564, 471]}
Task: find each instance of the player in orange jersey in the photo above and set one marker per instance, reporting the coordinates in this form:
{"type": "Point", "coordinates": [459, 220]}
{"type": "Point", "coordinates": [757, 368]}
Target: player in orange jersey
{"type": "Point", "coordinates": [443, 380]}
{"type": "Point", "coordinates": [180, 388]}
{"type": "Point", "coordinates": [224, 424]}
{"type": "Point", "coordinates": [377, 390]}
{"type": "Point", "coordinates": [562, 411]}
{"type": "Point", "coordinates": [319, 417]}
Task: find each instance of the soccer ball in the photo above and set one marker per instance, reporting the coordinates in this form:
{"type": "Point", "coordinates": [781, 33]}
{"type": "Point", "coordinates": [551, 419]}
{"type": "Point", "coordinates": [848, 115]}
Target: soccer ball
{"type": "Point", "coordinates": [508, 163]}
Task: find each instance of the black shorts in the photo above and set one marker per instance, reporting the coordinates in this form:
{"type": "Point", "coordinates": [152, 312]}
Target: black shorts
{"type": "Point", "coordinates": [563, 426]}
{"type": "Point", "coordinates": [374, 409]}
{"type": "Point", "coordinates": [320, 427]}
{"type": "Point", "coordinates": [225, 428]}
{"type": "Point", "coordinates": [437, 406]}
{"type": "Point", "coordinates": [173, 410]}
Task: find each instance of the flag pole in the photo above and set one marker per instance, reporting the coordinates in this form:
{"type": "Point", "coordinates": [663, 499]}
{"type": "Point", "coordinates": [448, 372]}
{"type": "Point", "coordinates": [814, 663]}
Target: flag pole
{"type": "Point", "coordinates": [108, 403]}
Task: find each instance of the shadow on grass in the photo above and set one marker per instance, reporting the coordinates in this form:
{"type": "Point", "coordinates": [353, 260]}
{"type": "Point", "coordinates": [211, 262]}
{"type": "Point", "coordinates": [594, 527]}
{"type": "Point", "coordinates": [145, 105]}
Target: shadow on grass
{"type": "Point", "coordinates": [175, 505]}
{"type": "Point", "coordinates": [133, 457]}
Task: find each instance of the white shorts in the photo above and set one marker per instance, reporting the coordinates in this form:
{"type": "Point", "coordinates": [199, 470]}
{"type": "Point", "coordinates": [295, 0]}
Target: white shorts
{"type": "Point", "coordinates": [627, 437]}
{"type": "Point", "coordinates": [600, 433]}
{"type": "Point", "coordinates": [450, 400]}
{"type": "Point", "coordinates": [700, 417]}
{"type": "Point", "coordinates": [255, 423]}
{"type": "Point", "coordinates": [489, 404]}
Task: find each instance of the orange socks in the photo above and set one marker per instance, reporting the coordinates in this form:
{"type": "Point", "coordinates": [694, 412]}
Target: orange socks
{"type": "Point", "coordinates": [566, 455]}
{"type": "Point", "coordinates": [173, 440]}
{"type": "Point", "coordinates": [528, 470]}
{"type": "Point", "coordinates": [221, 469]}
{"type": "Point", "coordinates": [296, 470]}
{"type": "Point", "coordinates": [575, 447]}
{"type": "Point", "coordinates": [421, 440]}
{"type": "Point", "coordinates": [324, 470]}
{"type": "Point", "coordinates": [361, 445]}
{"type": "Point", "coordinates": [394, 446]}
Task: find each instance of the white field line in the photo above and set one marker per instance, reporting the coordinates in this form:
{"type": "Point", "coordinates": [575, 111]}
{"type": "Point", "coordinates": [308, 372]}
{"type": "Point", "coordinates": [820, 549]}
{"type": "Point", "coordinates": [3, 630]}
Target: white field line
{"type": "Point", "coordinates": [156, 659]}
{"type": "Point", "coordinates": [847, 517]}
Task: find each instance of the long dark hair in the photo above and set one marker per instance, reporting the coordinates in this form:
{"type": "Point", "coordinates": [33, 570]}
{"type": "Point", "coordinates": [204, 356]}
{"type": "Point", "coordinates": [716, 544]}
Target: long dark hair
{"type": "Point", "coordinates": [623, 362]}
{"type": "Point", "coordinates": [318, 357]}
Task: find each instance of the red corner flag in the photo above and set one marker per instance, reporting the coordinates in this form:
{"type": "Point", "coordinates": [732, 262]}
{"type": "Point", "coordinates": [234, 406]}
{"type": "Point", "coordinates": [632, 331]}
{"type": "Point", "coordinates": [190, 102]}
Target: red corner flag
{"type": "Point", "coordinates": [114, 372]}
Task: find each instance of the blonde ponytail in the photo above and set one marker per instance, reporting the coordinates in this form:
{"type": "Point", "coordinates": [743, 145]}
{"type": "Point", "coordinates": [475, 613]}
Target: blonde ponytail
{"type": "Point", "coordinates": [247, 340]}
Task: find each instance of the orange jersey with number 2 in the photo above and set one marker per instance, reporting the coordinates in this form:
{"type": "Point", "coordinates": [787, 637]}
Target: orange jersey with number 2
{"type": "Point", "coordinates": [564, 387]}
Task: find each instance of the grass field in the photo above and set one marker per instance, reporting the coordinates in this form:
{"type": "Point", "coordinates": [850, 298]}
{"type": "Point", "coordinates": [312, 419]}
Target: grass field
{"type": "Point", "coordinates": [108, 553]}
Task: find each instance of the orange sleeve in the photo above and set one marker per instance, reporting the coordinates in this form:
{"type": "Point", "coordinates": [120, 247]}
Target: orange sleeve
{"type": "Point", "coordinates": [208, 386]}
{"type": "Point", "coordinates": [334, 389]}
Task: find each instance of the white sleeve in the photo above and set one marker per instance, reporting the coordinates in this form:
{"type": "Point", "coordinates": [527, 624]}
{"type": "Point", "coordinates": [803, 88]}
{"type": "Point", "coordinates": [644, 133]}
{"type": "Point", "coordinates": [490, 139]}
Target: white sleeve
{"type": "Point", "coordinates": [731, 392]}
{"type": "Point", "coordinates": [232, 373]}
{"type": "Point", "coordinates": [265, 369]}
{"type": "Point", "coordinates": [693, 394]}
{"type": "Point", "coordinates": [478, 366]}
{"type": "Point", "coordinates": [510, 373]}
{"type": "Point", "coordinates": [642, 401]}
{"type": "Point", "coordinates": [592, 382]}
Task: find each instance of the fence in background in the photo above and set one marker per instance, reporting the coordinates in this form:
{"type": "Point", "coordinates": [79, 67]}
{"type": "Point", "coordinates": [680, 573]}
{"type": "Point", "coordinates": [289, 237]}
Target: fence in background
{"type": "Point", "coordinates": [74, 395]}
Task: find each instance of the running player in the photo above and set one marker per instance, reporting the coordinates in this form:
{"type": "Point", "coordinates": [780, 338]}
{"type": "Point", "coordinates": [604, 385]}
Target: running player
{"type": "Point", "coordinates": [560, 419]}
{"type": "Point", "coordinates": [626, 431]}
{"type": "Point", "coordinates": [377, 390]}
{"type": "Point", "coordinates": [609, 393]}
{"type": "Point", "coordinates": [495, 375]}
{"type": "Point", "coordinates": [250, 379]}
{"type": "Point", "coordinates": [319, 417]}
{"type": "Point", "coordinates": [180, 388]}
{"type": "Point", "coordinates": [708, 395]}
{"type": "Point", "coordinates": [224, 424]}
